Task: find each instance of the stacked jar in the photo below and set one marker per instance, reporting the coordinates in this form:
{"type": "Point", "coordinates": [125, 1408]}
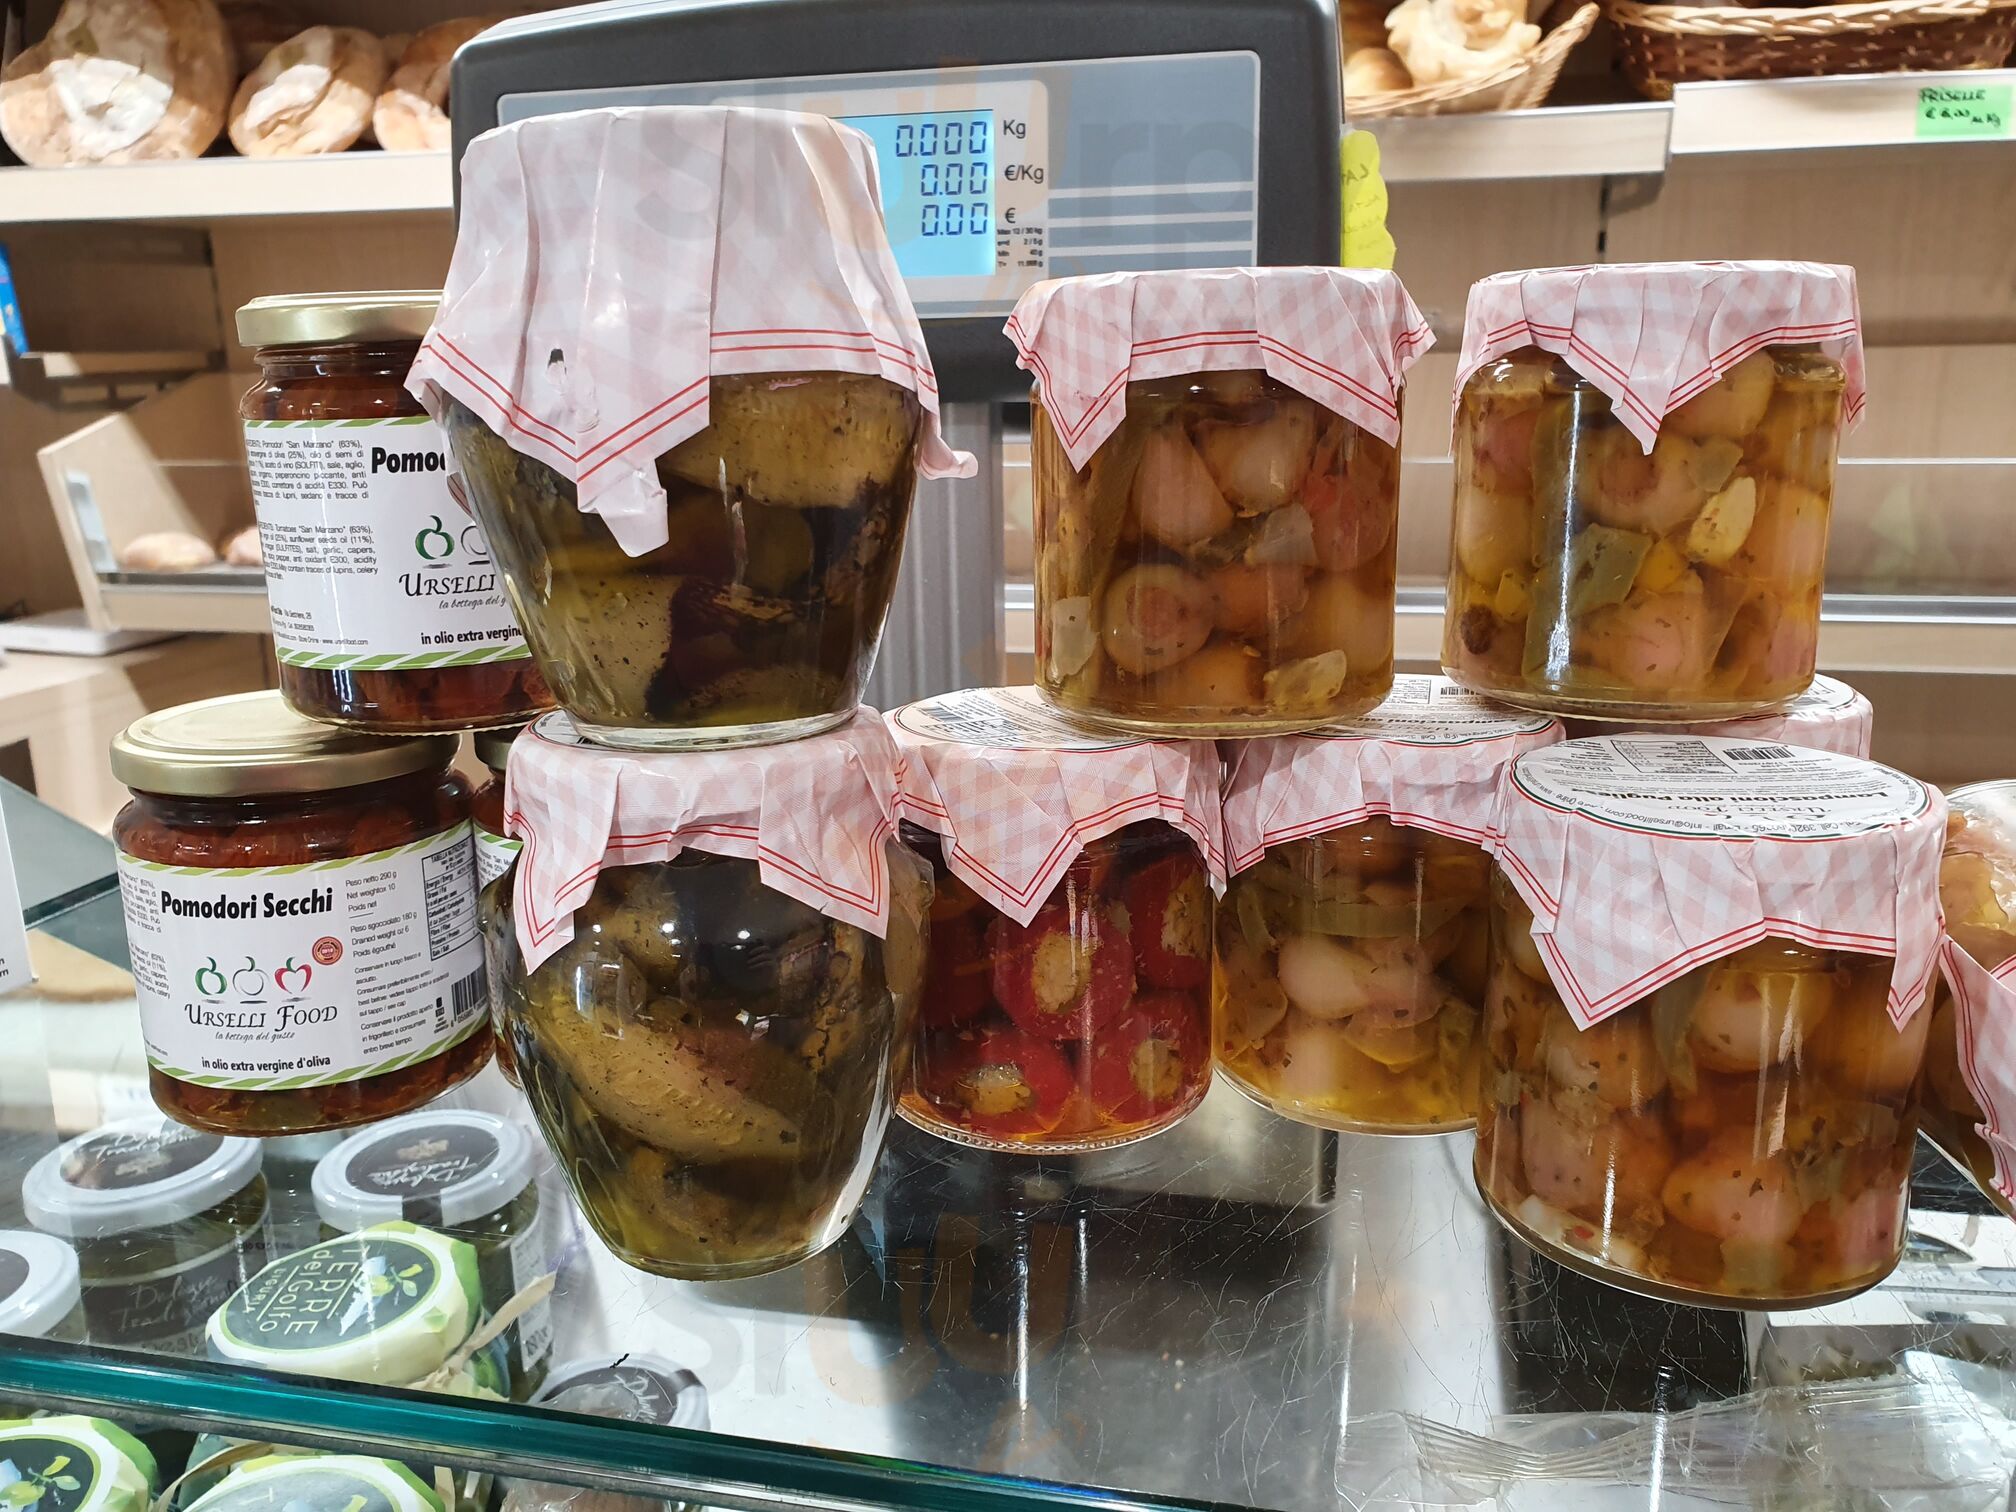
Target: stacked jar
{"type": "Point", "coordinates": [704, 954]}
{"type": "Point", "coordinates": [1707, 1014]}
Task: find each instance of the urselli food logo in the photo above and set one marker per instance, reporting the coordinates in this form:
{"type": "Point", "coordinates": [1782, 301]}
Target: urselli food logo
{"type": "Point", "coordinates": [46, 1474]}
{"type": "Point", "coordinates": [461, 561]}
{"type": "Point", "coordinates": [251, 997]}
{"type": "Point", "coordinates": [331, 1293]}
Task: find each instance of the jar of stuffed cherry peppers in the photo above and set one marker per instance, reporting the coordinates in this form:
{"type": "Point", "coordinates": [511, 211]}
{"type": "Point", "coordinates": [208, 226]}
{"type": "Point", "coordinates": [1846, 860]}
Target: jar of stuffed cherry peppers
{"type": "Point", "coordinates": [1067, 1004]}
{"type": "Point", "coordinates": [1970, 1081]}
{"type": "Point", "coordinates": [1353, 946]}
{"type": "Point", "coordinates": [300, 904]}
{"type": "Point", "coordinates": [1645, 458]}
{"type": "Point", "coordinates": [1707, 1014]}
{"type": "Point", "coordinates": [387, 610]}
{"type": "Point", "coordinates": [1216, 518]}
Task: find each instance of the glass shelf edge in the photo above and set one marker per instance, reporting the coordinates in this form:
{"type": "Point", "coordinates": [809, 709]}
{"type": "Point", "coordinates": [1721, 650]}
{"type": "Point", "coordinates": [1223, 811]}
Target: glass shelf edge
{"type": "Point", "coordinates": [639, 1459]}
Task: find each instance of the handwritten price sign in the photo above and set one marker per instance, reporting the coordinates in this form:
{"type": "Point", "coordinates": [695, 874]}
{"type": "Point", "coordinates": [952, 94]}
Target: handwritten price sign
{"type": "Point", "coordinates": [1947, 111]}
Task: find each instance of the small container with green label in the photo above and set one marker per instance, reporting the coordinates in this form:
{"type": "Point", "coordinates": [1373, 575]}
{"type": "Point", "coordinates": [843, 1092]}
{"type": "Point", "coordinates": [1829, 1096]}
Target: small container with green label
{"type": "Point", "coordinates": [335, 1482]}
{"type": "Point", "coordinates": [73, 1464]}
{"type": "Point", "coordinates": [469, 1174]}
{"type": "Point", "coordinates": [167, 1223]}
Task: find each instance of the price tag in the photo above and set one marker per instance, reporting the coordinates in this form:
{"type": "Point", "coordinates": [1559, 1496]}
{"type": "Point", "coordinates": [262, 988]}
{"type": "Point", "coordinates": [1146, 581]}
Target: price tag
{"type": "Point", "coordinates": [1953, 111]}
{"type": "Point", "coordinates": [1367, 242]}
{"type": "Point", "coordinates": [15, 971]}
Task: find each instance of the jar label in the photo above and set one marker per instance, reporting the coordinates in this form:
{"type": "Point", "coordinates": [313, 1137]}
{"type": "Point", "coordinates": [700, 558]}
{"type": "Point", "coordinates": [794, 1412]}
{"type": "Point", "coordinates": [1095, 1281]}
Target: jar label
{"type": "Point", "coordinates": [1702, 786]}
{"type": "Point", "coordinates": [122, 1159]}
{"type": "Point", "coordinates": [1434, 711]}
{"type": "Point", "coordinates": [318, 1483]}
{"type": "Point", "coordinates": [332, 1294]}
{"type": "Point", "coordinates": [167, 1309]}
{"type": "Point", "coordinates": [350, 968]}
{"type": "Point", "coordinates": [1006, 718]}
{"type": "Point", "coordinates": [530, 1261]}
{"type": "Point", "coordinates": [50, 1474]}
{"type": "Point", "coordinates": [494, 855]}
{"type": "Point", "coordinates": [418, 1164]}
{"type": "Point", "coordinates": [370, 561]}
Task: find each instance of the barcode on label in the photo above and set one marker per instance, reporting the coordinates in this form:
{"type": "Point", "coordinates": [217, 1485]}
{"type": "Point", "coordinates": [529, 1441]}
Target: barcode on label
{"type": "Point", "coordinates": [468, 996]}
{"type": "Point", "coordinates": [1758, 753]}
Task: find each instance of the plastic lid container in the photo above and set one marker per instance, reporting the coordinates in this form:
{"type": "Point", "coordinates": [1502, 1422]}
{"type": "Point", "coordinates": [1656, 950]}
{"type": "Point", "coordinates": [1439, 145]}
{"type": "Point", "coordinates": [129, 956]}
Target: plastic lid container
{"type": "Point", "coordinates": [333, 1481]}
{"type": "Point", "coordinates": [637, 1387]}
{"type": "Point", "coordinates": [442, 1166]}
{"type": "Point", "coordinates": [138, 1173]}
{"type": "Point", "coordinates": [109, 1470]}
{"type": "Point", "coordinates": [39, 1283]}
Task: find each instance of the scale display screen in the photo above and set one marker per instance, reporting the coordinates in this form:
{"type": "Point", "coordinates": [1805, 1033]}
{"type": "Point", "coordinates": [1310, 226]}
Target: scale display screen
{"type": "Point", "coordinates": [938, 173]}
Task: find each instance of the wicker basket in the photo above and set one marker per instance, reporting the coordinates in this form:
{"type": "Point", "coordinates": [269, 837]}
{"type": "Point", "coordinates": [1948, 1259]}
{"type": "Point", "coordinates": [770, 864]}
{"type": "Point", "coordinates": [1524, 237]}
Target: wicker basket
{"type": "Point", "coordinates": [1664, 45]}
{"type": "Point", "coordinates": [1517, 86]}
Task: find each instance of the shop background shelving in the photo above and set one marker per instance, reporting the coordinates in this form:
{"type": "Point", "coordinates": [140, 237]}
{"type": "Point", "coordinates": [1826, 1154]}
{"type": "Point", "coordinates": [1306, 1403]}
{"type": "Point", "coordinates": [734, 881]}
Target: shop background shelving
{"type": "Point", "coordinates": [1241, 1313]}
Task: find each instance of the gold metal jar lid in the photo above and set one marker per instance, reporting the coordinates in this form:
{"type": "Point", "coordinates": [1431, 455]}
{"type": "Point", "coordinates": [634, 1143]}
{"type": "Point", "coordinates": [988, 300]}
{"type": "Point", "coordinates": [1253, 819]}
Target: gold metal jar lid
{"type": "Point", "coordinates": [493, 747]}
{"type": "Point", "coordinates": [247, 744]}
{"type": "Point", "coordinates": [323, 319]}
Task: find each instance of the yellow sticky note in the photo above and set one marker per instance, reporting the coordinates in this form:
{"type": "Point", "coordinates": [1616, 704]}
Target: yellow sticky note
{"type": "Point", "coordinates": [1367, 243]}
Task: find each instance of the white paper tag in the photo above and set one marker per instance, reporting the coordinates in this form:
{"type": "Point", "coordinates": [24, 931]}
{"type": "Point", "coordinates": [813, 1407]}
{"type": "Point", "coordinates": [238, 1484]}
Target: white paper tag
{"type": "Point", "coordinates": [15, 969]}
{"type": "Point", "coordinates": [1013, 719]}
{"type": "Point", "coordinates": [1434, 711]}
{"type": "Point", "coordinates": [370, 563]}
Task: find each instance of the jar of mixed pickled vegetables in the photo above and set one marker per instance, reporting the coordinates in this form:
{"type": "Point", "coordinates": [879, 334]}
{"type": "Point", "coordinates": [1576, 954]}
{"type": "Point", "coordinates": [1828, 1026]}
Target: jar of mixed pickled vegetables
{"type": "Point", "coordinates": [1970, 1082]}
{"type": "Point", "coordinates": [1828, 716]}
{"type": "Point", "coordinates": [706, 1011]}
{"type": "Point", "coordinates": [166, 1222]}
{"type": "Point", "coordinates": [1215, 517]}
{"type": "Point", "coordinates": [1353, 945]}
{"type": "Point", "coordinates": [699, 502]}
{"type": "Point", "coordinates": [300, 906]}
{"type": "Point", "coordinates": [1067, 1005]}
{"type": "Point", "coordinates": [387, 609]}
{"type": "Point", "coordinates": [1645, 460]}
{"type": "Point", "coordinates": [1707, 1014]}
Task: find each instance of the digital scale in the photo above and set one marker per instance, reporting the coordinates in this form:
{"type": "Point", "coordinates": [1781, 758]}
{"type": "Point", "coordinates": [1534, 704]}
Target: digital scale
{"type": "Point", "coordinates": [1018, 140]}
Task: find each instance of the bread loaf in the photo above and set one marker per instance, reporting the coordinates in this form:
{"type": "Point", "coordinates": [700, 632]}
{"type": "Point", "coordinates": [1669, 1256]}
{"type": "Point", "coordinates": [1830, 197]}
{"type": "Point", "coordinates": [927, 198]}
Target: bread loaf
{"type": "Point", "coordinates": [312, 94]}
{"type": "Point", "coordinates": [167, 551]}
{"type": "Point", "coordinates": [412, 113]}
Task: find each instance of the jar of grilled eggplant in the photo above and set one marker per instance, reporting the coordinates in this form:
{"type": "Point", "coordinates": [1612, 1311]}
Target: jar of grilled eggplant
{"type": "Point", "coordinates": [1593, 577]}
{"type": "Point", "coordinates": [712, 1061]}
{"type": "Point", "coordinates": [1977, 889]}
{"type": "Point", "coordinates": [1222, 565]}
{"type": "Point", "coordinates": [758, 618]}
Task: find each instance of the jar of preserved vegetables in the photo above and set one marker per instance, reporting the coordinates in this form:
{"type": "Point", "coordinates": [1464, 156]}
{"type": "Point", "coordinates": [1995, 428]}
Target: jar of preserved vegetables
{"type": "Point", "coordinates": [300, 904]}
{"type": "Point", "coordinates": [495, 849]}
{"type": "Point", "coordinates": [1215, 516]}
{"type": "Point", "coordinates": [1645, 464]}
{"type": "Point", "coordinates": [74, 1464]}
{"type": "Point", "coordinates": [1067, 1005]}
{"type": "Point", "coordinates": [700, 526]}
{"type": "Point", "coordinates": [469, 1175]}
{"type": "Point", "coordinates": [1828, 716]}
{"type": "Point", "coordinates": [1707, 1014]}
{"type": "Point", "coordinates": [1353, 946]}
{"type": "Point", "coordinates": [166, 1222]}
{"type": "Point", "coordinates": [1970, 1079]}
{"type": "Point", "coordinates": [706, 1009]}
{"type": "Point", "coordinates": [388, 613]}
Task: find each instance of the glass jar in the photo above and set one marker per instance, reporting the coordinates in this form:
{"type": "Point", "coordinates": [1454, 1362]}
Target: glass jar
{"type": "Point", "coordinates": [67, 1463]}
{"type": "Point", "coordinates": [710, 1061]}
{"type": "Point", "coordinates": [758, 618]}
{"type": "Point", "coordinates": [41, 1296]}
{"type": "Point", "coordinates": [1977, 889]}
{"type": "Point", "coordinates": [495, 849]}
{"type": "Point", "coordinates": [1590, 578]}
{"type": "Point", "coordinates": [635, 1387]}
{"type": "Point", "coordinates": [361, 990]}
{"type": "Point", "coordinates": [166, 1223]}
{"type": "Point", "coordinates": [464, 1173]}
{"type": "Point", "coordinates": [1223, 565]}
{"type": "Point", "coordinates": [1350, 975]}
{"type": "Point", "coordinates": [1742, 1136]}
{"type": "Point", "coordinates": [1088, 1027]}
{"type": "Point", "coordinates": [386, 607]}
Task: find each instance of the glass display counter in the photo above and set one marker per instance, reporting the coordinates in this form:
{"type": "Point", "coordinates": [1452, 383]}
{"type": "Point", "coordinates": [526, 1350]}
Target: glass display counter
{"type": "Point", "coordinates": [1242, 1312]}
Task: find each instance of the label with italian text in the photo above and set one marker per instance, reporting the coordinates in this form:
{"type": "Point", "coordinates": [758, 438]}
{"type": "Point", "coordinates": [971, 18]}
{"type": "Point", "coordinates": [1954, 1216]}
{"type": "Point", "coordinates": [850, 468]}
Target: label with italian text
{"type": "Point", "coordinates": [371, 565]}
{"type": "Point", "coordinates": [276, 977]}
{"type": "Point", "coordinates": [494, 855]}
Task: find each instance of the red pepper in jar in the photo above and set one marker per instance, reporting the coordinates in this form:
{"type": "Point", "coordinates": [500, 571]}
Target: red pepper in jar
{"type": "Point", "coordinates": [1000, 1081]}
{"type": "Point", "coordinates": [1169, 914]}
{"type": "Point", "coordinates": [1065, 976]}
{"type": "Point", "coordinates": [959, 981]}
{"type": "Point", "coordinates": [1151, 1060]}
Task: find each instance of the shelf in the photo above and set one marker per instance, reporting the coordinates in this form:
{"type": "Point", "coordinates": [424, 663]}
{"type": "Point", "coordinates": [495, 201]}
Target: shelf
{"type": "Point", "coordinates": [1557, 142]}
{"type": "Point", "coordinates": [225, 188]}
{"type": "Point", "coordinates": [1241, 1313]}
{"type": "Point", "coordinates": [1792, 115]}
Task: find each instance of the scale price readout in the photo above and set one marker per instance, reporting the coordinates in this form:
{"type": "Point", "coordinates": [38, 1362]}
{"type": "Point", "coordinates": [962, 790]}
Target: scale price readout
{"type": "Point", "coordinates": [937, 174]}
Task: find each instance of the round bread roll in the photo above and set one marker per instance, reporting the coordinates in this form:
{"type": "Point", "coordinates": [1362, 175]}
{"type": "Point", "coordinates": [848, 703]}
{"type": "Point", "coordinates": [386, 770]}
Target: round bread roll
{"type": "Point", "coordinates": [241, 549]}
{"type": "Point", "coordinates": [257, 27]}
{"type": "Point", "coordinates": [167, 551]}
{"type": "Point", "coordinates": [412, 113]}
{"type": "Point", "coordinates": [312, 94]}
{"type": "Point", "coordinates": [1375, 70]}
{"type": "Point", "coordinates": [120, 81]}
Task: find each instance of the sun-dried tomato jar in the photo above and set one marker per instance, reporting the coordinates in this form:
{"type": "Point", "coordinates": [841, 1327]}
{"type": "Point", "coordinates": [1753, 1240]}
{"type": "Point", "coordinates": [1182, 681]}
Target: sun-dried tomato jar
{"type": "Point", "coordinates": [388, 610]}
{"type": "Point", "coordinates": [300, 905]}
